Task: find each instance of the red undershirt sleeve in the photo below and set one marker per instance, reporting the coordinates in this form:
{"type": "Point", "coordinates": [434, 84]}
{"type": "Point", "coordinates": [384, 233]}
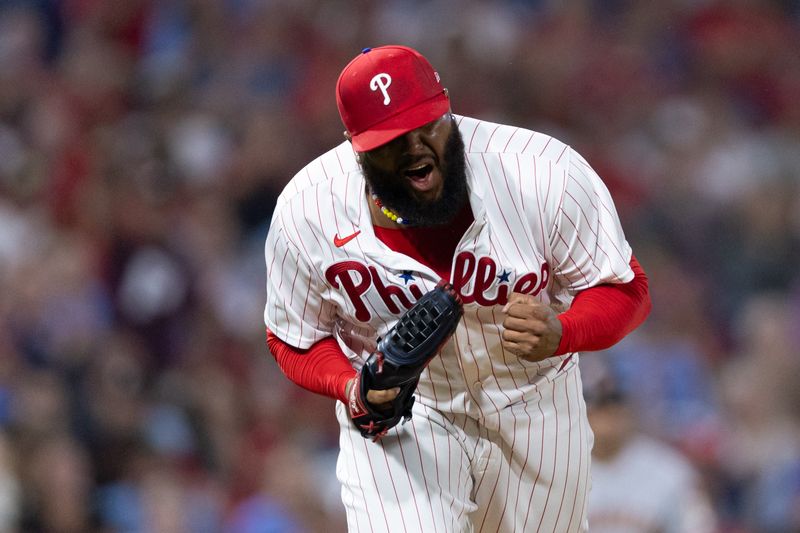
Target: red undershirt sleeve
{"type": "Point", "coordinates": [601, 316]}
{"type": "Point", "coordinates": [323, 368]}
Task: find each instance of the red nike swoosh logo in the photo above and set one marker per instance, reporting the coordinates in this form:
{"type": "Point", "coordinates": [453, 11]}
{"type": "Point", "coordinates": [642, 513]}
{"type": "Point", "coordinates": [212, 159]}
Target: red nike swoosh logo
{"type": "Point", "coordinates": [341, 242]}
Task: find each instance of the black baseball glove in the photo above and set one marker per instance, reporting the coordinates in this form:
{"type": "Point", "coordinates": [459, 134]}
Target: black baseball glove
{"type": "Point", "coordinates": [401, 357]}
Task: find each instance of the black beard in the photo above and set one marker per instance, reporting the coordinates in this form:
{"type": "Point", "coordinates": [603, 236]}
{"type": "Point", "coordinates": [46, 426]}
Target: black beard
{"type": "Point", "coordinates": [396, 196]}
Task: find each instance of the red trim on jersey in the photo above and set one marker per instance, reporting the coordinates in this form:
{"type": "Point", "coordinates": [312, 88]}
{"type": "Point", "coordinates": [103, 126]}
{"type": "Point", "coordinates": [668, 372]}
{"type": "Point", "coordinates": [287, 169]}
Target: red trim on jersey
{"type": "Point", "coordinates": [323, 368]}
{"type": "Point", "coordinates": [432, 246]}
{"type": "Point", "coordinates": [601, 316]}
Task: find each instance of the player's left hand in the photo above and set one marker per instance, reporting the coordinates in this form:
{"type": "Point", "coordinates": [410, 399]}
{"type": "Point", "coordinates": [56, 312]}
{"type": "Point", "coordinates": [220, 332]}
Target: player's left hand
{"type": "Point", "coordinates": [532, 329]}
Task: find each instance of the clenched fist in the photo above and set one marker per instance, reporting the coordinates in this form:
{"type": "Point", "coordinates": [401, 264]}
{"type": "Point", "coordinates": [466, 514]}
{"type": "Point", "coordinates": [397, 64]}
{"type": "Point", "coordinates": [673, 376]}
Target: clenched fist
{"type": "Point", "coordinates": [532, 329]}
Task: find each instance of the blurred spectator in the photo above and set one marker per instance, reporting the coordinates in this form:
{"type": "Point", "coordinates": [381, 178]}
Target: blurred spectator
{"type": "Point", "coordinates": [760, 452]}
{"type": "Point", "coordinates": [142, 146]}
{"type": "Point", "coordinates": [57, 487]}
{"type": "Point", "coordinates": [639, 484]}
{"type": "Point", "coordinates": [10, 490]}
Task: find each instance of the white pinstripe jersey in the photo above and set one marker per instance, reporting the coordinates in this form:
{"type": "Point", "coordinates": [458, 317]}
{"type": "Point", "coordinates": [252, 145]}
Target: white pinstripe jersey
{"type": "Point", "coordinates": [544, 225]}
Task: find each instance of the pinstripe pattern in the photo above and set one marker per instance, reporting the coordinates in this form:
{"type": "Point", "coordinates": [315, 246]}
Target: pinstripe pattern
{"type": "Point", "coordinates": [496, 443]}
{"type": "Point", "coordinates": [491, 483]}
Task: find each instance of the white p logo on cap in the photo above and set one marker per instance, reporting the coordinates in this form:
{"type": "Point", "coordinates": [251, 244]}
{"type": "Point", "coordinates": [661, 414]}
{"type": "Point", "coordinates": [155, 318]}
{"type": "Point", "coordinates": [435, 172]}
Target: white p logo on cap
{"type": "Point", "coordinates": [381, 81]}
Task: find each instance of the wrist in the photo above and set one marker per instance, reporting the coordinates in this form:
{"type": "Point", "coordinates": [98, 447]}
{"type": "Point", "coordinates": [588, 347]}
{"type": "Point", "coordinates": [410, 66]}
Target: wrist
{"type": "Point", "coordinates": [348, 387]}
{"type": "Point", "coordinates": [564, 342]}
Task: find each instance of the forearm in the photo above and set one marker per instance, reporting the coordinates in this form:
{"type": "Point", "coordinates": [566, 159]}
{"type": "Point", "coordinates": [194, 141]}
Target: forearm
{"type": "Point", "coordinates": [323, 368]}
{"type": "Point", "coordinates": [601, 316]}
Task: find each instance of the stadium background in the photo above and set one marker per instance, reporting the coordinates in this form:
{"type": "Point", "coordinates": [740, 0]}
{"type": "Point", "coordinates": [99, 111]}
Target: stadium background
{"type": "Point", "coordinates": [142, 144]}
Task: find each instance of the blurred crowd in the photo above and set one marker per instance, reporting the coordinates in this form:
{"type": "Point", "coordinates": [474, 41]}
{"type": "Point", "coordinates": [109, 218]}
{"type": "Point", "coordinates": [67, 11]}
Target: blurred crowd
{"type": "Point", "coordinates": [142, 146]}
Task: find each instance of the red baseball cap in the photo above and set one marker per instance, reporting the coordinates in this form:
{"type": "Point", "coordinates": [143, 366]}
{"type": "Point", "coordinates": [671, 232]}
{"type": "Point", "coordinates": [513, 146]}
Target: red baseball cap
{"type": "Point", "coordinates": [386, 92]}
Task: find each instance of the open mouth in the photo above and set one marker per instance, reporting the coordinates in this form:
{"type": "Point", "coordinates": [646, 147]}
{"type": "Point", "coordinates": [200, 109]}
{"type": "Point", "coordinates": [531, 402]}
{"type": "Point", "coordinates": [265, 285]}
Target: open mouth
{"type": "Point", "coordinates": [419, 171]}
{"type": "Point", "coordinates": [421, 177]}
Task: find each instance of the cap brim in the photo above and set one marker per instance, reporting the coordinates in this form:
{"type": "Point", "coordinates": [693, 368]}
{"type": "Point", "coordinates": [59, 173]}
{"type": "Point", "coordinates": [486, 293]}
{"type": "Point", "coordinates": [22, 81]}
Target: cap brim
{"type": "Point", "coordinates": [401, 123]}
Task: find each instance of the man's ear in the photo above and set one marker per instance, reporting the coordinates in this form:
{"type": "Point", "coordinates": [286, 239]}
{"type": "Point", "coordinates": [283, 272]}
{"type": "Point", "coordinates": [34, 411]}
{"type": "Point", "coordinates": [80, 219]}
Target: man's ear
{"type": "Point", "coordinates": [350, 140]}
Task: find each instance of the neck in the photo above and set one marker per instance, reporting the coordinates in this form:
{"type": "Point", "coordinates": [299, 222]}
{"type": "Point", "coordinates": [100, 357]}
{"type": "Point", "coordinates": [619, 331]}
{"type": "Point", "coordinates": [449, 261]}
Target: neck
{"type": "Point", "coordinates": [379, 218]}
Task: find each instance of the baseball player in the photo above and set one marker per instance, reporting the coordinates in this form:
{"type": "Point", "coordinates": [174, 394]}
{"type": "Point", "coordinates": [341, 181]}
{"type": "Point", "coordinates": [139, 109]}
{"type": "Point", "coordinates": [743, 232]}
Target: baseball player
{"type": "Point", "coordinates": [525, 232]}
